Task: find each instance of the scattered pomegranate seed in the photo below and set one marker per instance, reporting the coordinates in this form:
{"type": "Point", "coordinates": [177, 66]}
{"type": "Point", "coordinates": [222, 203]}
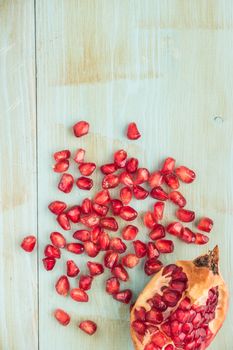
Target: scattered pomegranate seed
{"type": "Point", "coordinates": [57, 207]}
{"type": "Point", "coordinates": [201, 239]}
{"type": "Point", "coordinates": [110, 259]}
{"type": "Point", "coordinates": [157, 232]}
{"type": "Point", "coordinates": [140, 192]}
{"type": "Point", "coordinates": [73, 214]}
{"type": "Point", "coordinates": [130, 260]}
{"type": "Point", "coordinates": [109, 223]}
{"type": "Point", "coordinates": [52, 252]}
{"type": "Point", "coordinates": [158, 193]}
{"type": "Point", "coordinates": [82, 235]}
{"type": "Point", "coordinates": [58, 240]}
{"type": "Point", "coordinates": [110, 181]}
{"type": "Point", "coordinates": [126, 179]}
{"type": "Point", "coordinates": [185, 215]}
{"type": "Point", "coordinates": [100, 210]}
{"type": "Point", "coordinates": [81, 128]}
{"type": "Point", "coordinates": [126, 195]}
{"type": "Point", "coordinates": [66, 183]}
{"type": "Point", "coordinates": [49, 263]}
{"type": "Point", "coordinates": [107, 169]}
{"type": "Point", "coordinates": [62, 317]}
{"type": "Point", "coordinates": [91, 249]}
{"type": "Point", "coordinates": [86, 169]}
{"type": "Point", "coordinates": [88, 327]}
{"type": "Point", "coordinates": [177, 198]}
{"type": "Point", "coordinates": [63, 286]}
{"type": "Point", "coordinates": [76, 248]}
{"type": "Point", "coordinates": [84, 183]}
{"type": "Point", "coordinates": [156, 179]}
{"type": "Point", "coordinates": [63, 221]}
{"type": "Point", "coordinates": [129, 232]}
{"type": "Point", "coordinates": [95, 234]}
{"type": "Point", "coordinates": [116, 206]}
{"type": "Point", "coordinates": [152, 251]}
{"type": "Point", "coordinates": [79, 295]}
{"type": "Point", "coordinates": [79, 155]}
{"type": "Point", "coordinates": [61, 155]}
{"type": "Point", "coordinates": [174, 228]}
{"type": "Point", "coordinates": [158, 210]}
{"type": "Point", "coordinates": [85, 282]}
{"type": "Point", "coordinates": [104, 241]}
{"type": "Point", "coordinates": [120, 158]}
{"type": "Point", "coordinates": [140, 248]}
{"type": "Point", "coordinates": [185, 174]}
{"type": "Point", "coordinates": [187, 235]}
{"type": "Point", "coordinates": [72, 268]}
{"type": "Point", "coordinates": [61, 166]}
{"type": "Point", "coordinates": [172, 181]}
{"type": "Point", "coordinates": [117, 245]}
{"type": "Point", "coordinates": [127, 213]}
{"type": "Point", "coordinates": [152, 266]}
{"type": "Point", "coordinates": [131, 165]}
{"type": "Point", "coordinates": [205, 224]}
{"type": "Point", "coordinates": [95, 268]}
{"type": "Point", "coordinates": [124, 296]}
{"type": "Point", "coordinates": [112, 285]}
{"type": "Point", "coordinates": [102, 197]}
{"type": "Point", "coordinates": [168, 165]}
{"type": "Point", "coordinates": [164, 246]}
{"type": "Point", "coordinates": [28, 243]}
{"type": "Point", "coordinates": [86, 206]}
{"type": "Point", "coordinates": [132, 132]}
{"type": "Point", "coordinates": [120, 272]}
{"type": "Point", "coordinates": [90, 220]}
{"type": "Point", "coordinates": [141, 176]}
{"type": "Point", "coordinates": [149, 220]}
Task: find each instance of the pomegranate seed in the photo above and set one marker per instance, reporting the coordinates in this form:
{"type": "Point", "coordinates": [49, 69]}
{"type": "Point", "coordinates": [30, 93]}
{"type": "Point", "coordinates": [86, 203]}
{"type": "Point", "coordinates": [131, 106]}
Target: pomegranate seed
{"type": "Point", "coordinates": [164, 246]}
{"type": "Point", "coordinates": [110, 259]}
{"type": "Point", "coordinates": [95, 234]}
{"type": "Point", "coordinates": [117, 245]}
{"type": "Point", "coordinates": [88, 327]}
{"type": "Point", "coordinates": [132, 131]}
{"type": "Point", "coordinates": [72, 269]}
{"type": "Point", "coordinates": [85, 282]}
{"type": "Point", "coordinates": [76, 248]}
{"type": "Point", "coordinates": [131, 165]}
{"type": "Point", "coordinates": [81, 128]}
{"type": "Point", "coordinates": [52, 252]}
{"type": "Point", "coordinates": [63, 286]}
{"type": "Point", "coordinates": [58, 240]}
{"type": "Point", "coordinates": [169, 347]}
{"type": "Point", "coordinates": [139, 327]}
{"type": "Point", "coordinates": [66, 183]}
{"type": "Point", "coordinates": [129, 232]}
{"type": "Point", "coordinates": [130, 260]}
{"type": "Point", "coordinates": [95, 268]}
{"type": "Point", "coordinates": [185, 174]}
{"type": "Point", "coordinates": [74, 214]}
{"type": "Point", "coordinates": [126, 195]}
{"type": "Point", "coordinates": [102, 197]}
{"type": "Point", "coordinates": [185, 215]}
{"type": "Point", "coordinates": [151, 346]}
{"type": "Point", "coordinates": [205, 224]}
{"type": "Point", "coordinates": [61, 166]}
{"type": "Point", "coordinates": [104, 241]}
{"type": "Point", "coordinates": [63, 221]}
{"type": "Point", "coordinates": [171, 297]}
{"type": "Point", "coordinates": [120, 272]}
{"type": "Point", "coordinates": [158, 193]}
{"type": "Point", "coordinates": [124, 296]}
{"type": "Point", "coordinates": [49, 263]}
{"type": "Point", "coordinates": [187, 235]}
{"type": "Point", "coordinates": [107, 169]}
{"type": "Point", "coordinates": [156, 179]}
{"type": "Point", "coordinates": [86, 206]}
{"type": "Point", "coordinates": [126, 179]}
{"type": "Point", "coordinates": [201, 239]}
{"type": "Point", "coordinates": [91, 249]}
{"type": "Point", "coordinates": [78, 294]}
{"type": "Point", "coordinates": [120, 158]}
{"type": "Point", "coordinates": [28, 243]}
{"type": "Point", "coordinates": [152, 251]}
{"type": "Point", "coordinates": [158, 210]}
{"type": "Point", "coordinates": [141, 176]}
{"type": "Point", "coordinates": [79, 155]}
{"type": "Point", "coordinates": [109, 223]}
{"type": "Point", "coordinates": [158, 303]}
{"type": "Point", "coordinates": [140, 248]}
{"type": "Point", "coordinates": [86, 169]}
{"type": "Point", "coordinates": [116, 206]}
{"type": "Point", "coordinates": [175, 228]}
{"type": "Point", "coordinates": [112, 285]}
{"type": "Point", "coordinates": [154, 316]}
{"type": "Point", "coordinates": [177, 198]}
{"type": "Point", "coordinates": [152, 266]}
{"type": "Point", "coordinates": [168, 165]}
{"type": "Point", "coordinates": [61, 155]}
{"type": "Point", "coordinates": [157, 232]}
{"type": "Point", "coordinates": [110, 181]}
{"type": "Point", "coordinates": [140, 313]}
{"type": "Point", "coordinates": [90, 220]}
{"type": "Point", "coordinates": [84, 183]}
{"type": "Point", "coordinates": [100, 210]}
{"type": "Point", "coordinates": [127, 213]}
{"type": "Point", "coordinates": [57, 207]}
{"type": "Point", "coordinates": [149, 220]}
{"type": "Point", "coordinates": [82, 235]}
{"type": "Point", "coordinates": [62, 317]}
{"type": "Point", "coordinates": [159, 339]}
{"type": "Point", "coordinates": [172, 181]}
{"type": "Point", "coordinates": [140, 192]}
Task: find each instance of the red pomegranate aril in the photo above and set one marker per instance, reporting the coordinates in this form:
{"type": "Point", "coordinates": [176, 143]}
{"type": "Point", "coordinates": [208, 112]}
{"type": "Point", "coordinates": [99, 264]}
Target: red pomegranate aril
{"type": "Point", "coordinates": [73, 214]}
{"type": "Point", "coordinates": [157, 232]}
{"type": "Point", "coordinates": [187, 328]}
{"type": "Point", "coordinates": [180, 286]}
{"type": "Point", "coordinates": [90, 220]}
{"type": "Point", "coordinates": [112, 285]}
{"type": "Point", "coordinates": [126, 179]}
{"type": "Point", "coordinates": [88, 327]}
{"type": "Point", "coordinates": [129, 232]}
{"type": "Point", "coordinates": [104, 241]}
{"type": "Point", "coordinates": [132, 131]}
{"type": "Point", "coordinates": [164, 246]}
{"type": "Point", "coordinates": [154, 316]}
{"type": "Point", "coordinates": [140, 313]}
{"type": "Point", "coordinates": [95, 234]}
{"type": "Point", "coordinates": [28, 243]}
{"type": "Point", "coordinates": [86, 206]}
{"type": "Point", "coordinates": [72, 269]}
{"type": "Point", "coordinates": [169, 347]}
{"type": "Point", "coordinates": [152, 266]}
{"type": "Point", "coordinates": [131, 165]}
{"type": "Point", "coordinates": [158, 210]}
{"type": "Point", "coordinates": [175, 228]}
{"type": "Point", "coordinates": [107, 169]}
{"type": "Point", "coordinates": [63, 221]}
{"type": "Point", "coordinates": [123, 296]}
{"type": "Point", "coordinates": [79, 155]}
{"type": "Point", "coordinates": [100, 210]}
{"type": "Point", "coordinates": [141, 176]}
{"type": "Point", "coordinates": [63, 286]}
{"type": "Point", "coordinates": [130, 260]}
{"type": "Point", "coordinates": [95, 269]}
{"type": "Point", "coordinates": [57, 207]}
{"type": "Point", "coordinates": [102, 197]}
{"type": "Point", "coordinates": [85, 282]}
{"type": "Point", "coordinates": [120, 158]}
{"type": "Point", "coordinates": [139, 192]}
{"type": "Point", "coordinates": [201, 239]}
{"type": "Point", "coordinates": [117, 245]}
{"type": "Point", "coordinates": [52, 252]}
{"type": "Point", "coordinates": [76, 248]}
{"type": "Point", "coordinates": [156, 179]}
{"type": "Point", "coordinates": [91, 249]}
{"type": "Point", "coordinates": [62, 317]}
{"type": "Point", "coordinates": [82, 235]}
{"type": "Point", "coordinates": [79, 295]}
{"type": "Point", "coordinates": [140, 248]}
{"type": "Point", "coordinates": [58, 240]}
{"type": "Point", "coordinates": [120, 272]}
{"type": "Point", "coordinates": [126, 195]}
{"type": "Point", "coordinates": [127, 213]}
{"type": "Point", "coordinates": [158, 193]}
{"type": "Point", "coordinates": [187, 235]}
{"type": "Point", "coordinates": [185, 174]}
{"type": "Point", "coordinates": [66, 183]}
{"type": "Point", "coordinates": [49, 263]}
{"type": "Point", "coordinates": [177, 198]}
{"type": "Point", "coordinates": [205, 224]}
{"type": "Point", "coordinates": [116, 206]}
{"type": "Point", "coordinates": [61, 155]}
{"type": "Point", "coordinates": [171, 297]}
{"type": "Point", "coordinates": [168, 165]}
{"type": "Point", "coordinates": [110, 181]}
{"type": "Point", "coordinates": [185, 215]}
{"type": "Point", "coordinates": [81, 128]}
{"type": "Point", "coordinates": [111, 259]}
{"type": "Point", "coordinates": [172, 181]}
{"type": "Point", "coordinates": [152, 251]}
{"type": "Point", "coordinates": [169, 269]}
{"type": "Point", "coordinates": [149, 220]}
{"type": "Point", "coordinates": [139, 327]}
{"type": "Point", "coordinates": [86, 169]}
{"type": "Point", "coordinates": [151, 346]}
{"type": "Point", "coordinates": [185, 304]}
{"type": "Point", "coordinates": [158, 303]}
{"type": "Point", "coordinates": [109, 223]}
{"type": "Point", "coordinates": [61, 166]}
{"type": "Point", "coordinates": [84, 183]}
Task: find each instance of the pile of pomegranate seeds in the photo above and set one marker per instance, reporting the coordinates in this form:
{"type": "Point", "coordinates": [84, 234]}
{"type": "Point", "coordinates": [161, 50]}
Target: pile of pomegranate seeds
{"type": "Point", "coordinates": [94, 219]}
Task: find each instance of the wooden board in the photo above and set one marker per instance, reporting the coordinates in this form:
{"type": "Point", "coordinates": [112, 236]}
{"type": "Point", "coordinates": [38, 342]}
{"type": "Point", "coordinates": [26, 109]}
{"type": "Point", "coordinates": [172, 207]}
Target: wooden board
{"type": "Point", "coordinates": [166, 65]}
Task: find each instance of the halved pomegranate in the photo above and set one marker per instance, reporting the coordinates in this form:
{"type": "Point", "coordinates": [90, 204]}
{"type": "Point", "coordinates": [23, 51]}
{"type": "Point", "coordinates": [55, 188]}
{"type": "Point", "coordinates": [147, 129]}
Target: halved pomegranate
{"type": "Point", "coordinates": [182, 307]}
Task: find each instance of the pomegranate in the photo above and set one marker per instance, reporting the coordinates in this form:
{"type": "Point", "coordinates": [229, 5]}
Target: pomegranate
{"type": "Point", "coordinates": [132, 131]}
{"type": "Point", "coordinates": [81, 128]}
{"type": "Point", "coordinates": [182, 307]}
